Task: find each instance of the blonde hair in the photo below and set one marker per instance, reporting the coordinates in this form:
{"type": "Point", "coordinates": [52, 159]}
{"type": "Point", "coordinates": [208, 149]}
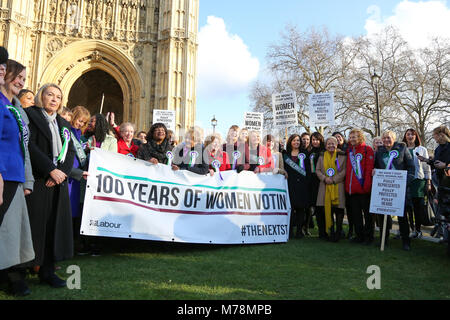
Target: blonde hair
{"type": "Point", "coordinates": [42, 90]}
{"type": "Point", "coordinates": [390, 133]}
{"type": "Point", "coordinates": [195, 134]}
{"type": "Point", "coordinates": [442, 130]}
{"type": "Point", "coordinates": [360, 134]}
{"type": "Point", "coordinates": [80, 112]}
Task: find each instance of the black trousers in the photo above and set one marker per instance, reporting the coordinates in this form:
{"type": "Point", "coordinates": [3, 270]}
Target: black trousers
{"type": "Point", "coordinates": [298, 216]}
{"type": "Point", "coordinates": [348, 208]}
{"type": "Point", "coordinates": [337, 217]}
{"type": "Point", "coordinates": [402, 223]}
{"type": "Point", "coordinates": [362, 219]}
{"type": "Point", "coordinates": [416, 213]}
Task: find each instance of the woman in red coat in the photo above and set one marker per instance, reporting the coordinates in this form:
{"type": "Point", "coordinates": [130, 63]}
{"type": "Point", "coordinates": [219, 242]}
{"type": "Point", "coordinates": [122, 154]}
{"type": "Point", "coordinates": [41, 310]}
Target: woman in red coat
{"type": "Point", "coordinates": [358, 184]}
{"type": "Point", "coordinates": [125, 143]}
{"type": "Point", "coordinates": [217, 158]}
{"type": "Point", "coordinates": [260, 157]}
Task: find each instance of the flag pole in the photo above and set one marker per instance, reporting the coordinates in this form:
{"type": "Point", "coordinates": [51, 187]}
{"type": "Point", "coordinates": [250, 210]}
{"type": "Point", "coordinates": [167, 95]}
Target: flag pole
{"type": "Point", "coordinates": [103, 100]}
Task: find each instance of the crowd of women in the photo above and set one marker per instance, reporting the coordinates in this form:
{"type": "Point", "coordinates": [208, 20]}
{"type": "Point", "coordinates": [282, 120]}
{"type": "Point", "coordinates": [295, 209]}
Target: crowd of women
{"type": "Point", "coordinates": [44, 158]}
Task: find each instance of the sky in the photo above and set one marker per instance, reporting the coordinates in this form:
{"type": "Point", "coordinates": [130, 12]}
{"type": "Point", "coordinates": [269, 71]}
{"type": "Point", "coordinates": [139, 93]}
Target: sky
{"type": "Point", "coordinates": [234, 36]}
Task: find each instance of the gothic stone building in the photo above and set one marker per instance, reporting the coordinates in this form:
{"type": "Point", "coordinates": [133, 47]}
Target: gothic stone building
{"type": "Point", "coordinates": [140, 54]}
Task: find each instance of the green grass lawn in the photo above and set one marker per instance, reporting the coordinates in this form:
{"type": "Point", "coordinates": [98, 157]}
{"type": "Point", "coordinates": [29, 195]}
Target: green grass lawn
{"type": "Point", "coordinates": [308, 268]}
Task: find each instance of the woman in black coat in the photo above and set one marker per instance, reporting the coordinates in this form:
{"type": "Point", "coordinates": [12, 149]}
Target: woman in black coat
{"type": "Point", "coordinates": [157, 146]}
{"type": "Point", "coordinates": [297, 166]}
{"type": "Point", "coordinates": [317, 147]}
{"type": "Point", "coordinates": [52, 154]}
{"type": "Point", "coordinates": [190, 154]}
{"type": "Point", "coordinates": [395, 156]}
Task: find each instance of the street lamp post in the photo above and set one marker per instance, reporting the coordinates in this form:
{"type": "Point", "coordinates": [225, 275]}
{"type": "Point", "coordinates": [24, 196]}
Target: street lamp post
{"type": "Point", "coordinates": [375, 82]}
{"type": "Point", "coordinates": [214, 124]}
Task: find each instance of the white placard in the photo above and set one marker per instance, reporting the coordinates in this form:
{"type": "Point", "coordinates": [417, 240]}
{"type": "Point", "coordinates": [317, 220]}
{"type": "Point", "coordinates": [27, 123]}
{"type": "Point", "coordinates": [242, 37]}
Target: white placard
{"type": "Point", "coordinates": [284, 109]}
{"type": "Point", "coordinates": [132, 198]}
{"type": "Point", "coordinates": [165, 116]}
{"type": "Point", "coordinates": [254, 121]}
{"type": "Point", "coordinates": [321, 109]}
{"type": "Point", "coordinates": [388, 192]}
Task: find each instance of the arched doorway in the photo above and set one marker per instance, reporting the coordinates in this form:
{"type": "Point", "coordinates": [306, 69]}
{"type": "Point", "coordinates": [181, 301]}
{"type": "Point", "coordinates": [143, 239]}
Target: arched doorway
{"type": "Point", "coordinates": [88, 91]}
{"type": "Point", "coordinates": [81, 57]}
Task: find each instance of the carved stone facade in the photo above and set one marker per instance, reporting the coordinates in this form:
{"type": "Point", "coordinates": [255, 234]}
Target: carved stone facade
{"type": "Point", "coordinates": [148, 46]}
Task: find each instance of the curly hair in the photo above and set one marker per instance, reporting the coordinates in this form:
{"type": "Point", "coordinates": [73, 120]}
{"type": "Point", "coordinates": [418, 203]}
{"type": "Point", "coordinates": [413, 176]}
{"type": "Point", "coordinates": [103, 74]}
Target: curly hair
{"type": "Point", "coordinates": [154, 127]}
{"type": "Point", "coordinates": [102, 127]}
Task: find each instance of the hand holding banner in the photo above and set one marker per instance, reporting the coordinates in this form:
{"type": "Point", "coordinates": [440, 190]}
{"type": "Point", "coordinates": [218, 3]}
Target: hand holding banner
{"type": "Point", "coordinates": [131, 198]}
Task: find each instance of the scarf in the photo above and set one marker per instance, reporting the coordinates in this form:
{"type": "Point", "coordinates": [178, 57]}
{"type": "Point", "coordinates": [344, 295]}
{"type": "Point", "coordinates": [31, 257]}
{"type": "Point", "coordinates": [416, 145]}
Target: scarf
{"type": "Point", "coordinates": [56, 139]}
{"type": "Point", "coordinates": [159, 151]}
{"type": "Point", "coordinates": [331, 190]}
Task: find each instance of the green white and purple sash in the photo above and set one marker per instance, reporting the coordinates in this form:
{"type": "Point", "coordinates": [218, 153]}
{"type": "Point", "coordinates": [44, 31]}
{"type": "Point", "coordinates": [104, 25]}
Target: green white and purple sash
{"type": "Point", "coordinates": [355, 160]}
{"type": "Point", "coordinates": [24, 135]}
{"type": "Point", "coordinates": [65, 135]}
{"type": "Point", "coordinates": [294, 165]}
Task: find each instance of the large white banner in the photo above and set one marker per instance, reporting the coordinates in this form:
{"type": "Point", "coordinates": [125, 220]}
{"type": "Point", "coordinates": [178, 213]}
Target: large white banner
{"type": "Point", "coordinates": [321, 109]}
{"type": "Point", "coordinates": [388, 192]}
{"type": "Point", "coordinates": [131, 198]}
{"type": "Point", "coordinates": [284, 109]}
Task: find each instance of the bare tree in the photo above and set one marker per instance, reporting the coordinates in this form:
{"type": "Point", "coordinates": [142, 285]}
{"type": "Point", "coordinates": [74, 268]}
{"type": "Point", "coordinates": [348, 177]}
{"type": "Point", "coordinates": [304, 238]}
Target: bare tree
{"type": "Point", "coordinates": [307, 63]}
{"type": "Point", "coordinates": [424, 95]}
{"type": "Point", "coordinates": [413, 90]}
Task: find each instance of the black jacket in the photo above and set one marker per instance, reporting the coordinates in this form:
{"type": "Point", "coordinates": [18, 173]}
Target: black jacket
{"type": "Point", "coordinates": [298, 184]}
{"type": "Point", "coordinates": [201, 165]}
{"type": "Point", "coordinates": [49, 206]}
{"type": "Point", "coordinates": [152, 150]}
{"type": "Point", "coordinates": [404, 161]}
{"type": "Point", "coordinates": [40, 145]}
{"type": "Point", "coordinates": [442, 153]}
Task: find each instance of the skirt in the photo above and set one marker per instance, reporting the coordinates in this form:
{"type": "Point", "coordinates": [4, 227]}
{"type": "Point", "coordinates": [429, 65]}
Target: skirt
{"type": "Point", "coordinates": [16, 244]}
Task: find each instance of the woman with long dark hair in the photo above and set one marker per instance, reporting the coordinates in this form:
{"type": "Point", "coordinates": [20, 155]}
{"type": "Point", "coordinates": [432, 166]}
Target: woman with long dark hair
{"type": "Point", "coordinates": [99, 134]}
{"type": "Point", "coordinates": [297, 166]}
{"type": "Point", "coordinates": [421, 183]}
{"type": "Point", "coordinates": [317, 147]}
{"type": "Point", "coordinates": [306, 147]}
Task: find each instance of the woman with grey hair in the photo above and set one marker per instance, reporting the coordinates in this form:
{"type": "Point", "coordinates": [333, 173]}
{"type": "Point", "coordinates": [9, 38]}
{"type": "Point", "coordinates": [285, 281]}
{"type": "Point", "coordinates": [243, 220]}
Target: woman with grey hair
{"type": "Point", "coordinates": [52, 154]}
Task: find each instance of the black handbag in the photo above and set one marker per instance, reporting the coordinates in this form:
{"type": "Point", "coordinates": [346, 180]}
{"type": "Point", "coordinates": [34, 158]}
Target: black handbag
{"type": "Point", "coordinates": [429, 215]}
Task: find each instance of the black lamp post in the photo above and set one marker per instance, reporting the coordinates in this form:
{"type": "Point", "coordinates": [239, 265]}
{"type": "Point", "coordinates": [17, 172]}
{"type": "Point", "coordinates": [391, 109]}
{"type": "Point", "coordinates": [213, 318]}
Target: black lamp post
{"type": "Point", "coordinates": [375, 82]}
{"type": "Point", "coordinates": [214, 123]}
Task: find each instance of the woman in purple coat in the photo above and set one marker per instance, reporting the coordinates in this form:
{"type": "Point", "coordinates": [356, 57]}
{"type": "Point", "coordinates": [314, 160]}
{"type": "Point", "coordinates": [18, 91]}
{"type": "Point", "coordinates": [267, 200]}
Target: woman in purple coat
{"type": "Point", "coordinates": [80, 119]}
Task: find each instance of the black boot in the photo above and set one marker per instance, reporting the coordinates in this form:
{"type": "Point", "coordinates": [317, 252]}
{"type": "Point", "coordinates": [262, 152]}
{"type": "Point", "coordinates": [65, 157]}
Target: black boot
{"type": "Point", "coordinates": [47, 275]}
{"type": "Point", "coordinates": [16, 282]}
{"type": "Point", "coordinates": [406, 244]}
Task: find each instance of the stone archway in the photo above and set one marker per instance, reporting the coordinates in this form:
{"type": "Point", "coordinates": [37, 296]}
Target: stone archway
{"type": "Point", "coordinates": [82, 57]}
{"type": "Point", "coordinates": [92, 88]}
